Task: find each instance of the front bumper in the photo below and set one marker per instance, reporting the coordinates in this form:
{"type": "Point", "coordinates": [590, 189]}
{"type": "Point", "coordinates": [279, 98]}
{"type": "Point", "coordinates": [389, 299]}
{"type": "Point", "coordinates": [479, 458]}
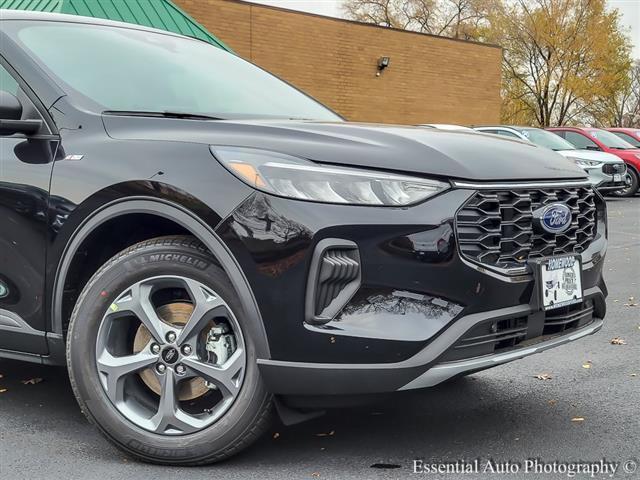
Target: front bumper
{"type": "Point", "coordinates": [416, 299]}
{"type": "Point", "coordinates": [606, 182]}
{"type": "Point", "coordinates": [426, 368]}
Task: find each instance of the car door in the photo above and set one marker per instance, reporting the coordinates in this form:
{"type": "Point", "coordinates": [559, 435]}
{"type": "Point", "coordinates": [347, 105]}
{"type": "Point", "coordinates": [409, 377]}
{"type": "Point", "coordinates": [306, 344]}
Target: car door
{"type": "Point", "coordinates": [26, 162]}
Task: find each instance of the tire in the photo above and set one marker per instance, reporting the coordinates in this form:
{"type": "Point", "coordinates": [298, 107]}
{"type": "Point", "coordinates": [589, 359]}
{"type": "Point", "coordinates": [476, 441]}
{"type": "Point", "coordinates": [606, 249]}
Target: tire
{"type": "Point", "coordinates": [632, 189]}
{"type": "Point", "coordinates": [246, 414]}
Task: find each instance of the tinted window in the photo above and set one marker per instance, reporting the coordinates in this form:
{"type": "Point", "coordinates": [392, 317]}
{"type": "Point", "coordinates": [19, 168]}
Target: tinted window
{"type": "Point", "coordinates": [580, 141]}
{"type": "Point", "coordinates": [628, 138]}
{"type": "Point", "coordinates": [111, 68]}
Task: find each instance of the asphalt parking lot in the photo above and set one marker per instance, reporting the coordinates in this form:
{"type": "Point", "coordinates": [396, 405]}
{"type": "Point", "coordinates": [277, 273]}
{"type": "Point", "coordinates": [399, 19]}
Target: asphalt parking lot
{"type": "Point", "coordinates": [505, 414]}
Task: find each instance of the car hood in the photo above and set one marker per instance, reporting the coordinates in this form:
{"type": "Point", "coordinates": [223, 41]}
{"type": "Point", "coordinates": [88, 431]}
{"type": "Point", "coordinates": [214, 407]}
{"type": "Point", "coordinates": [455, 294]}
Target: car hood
{"type": "Point", "coordinates": [448, 154]}
{"type": "Point", "coordinates": [603, 157]}
{"type": "Point", "coordinates": [631, 154]}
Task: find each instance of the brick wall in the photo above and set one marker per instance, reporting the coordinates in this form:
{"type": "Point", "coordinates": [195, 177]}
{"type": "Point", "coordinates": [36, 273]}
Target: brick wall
{"type": "Point", "coordinates": [430, 79]}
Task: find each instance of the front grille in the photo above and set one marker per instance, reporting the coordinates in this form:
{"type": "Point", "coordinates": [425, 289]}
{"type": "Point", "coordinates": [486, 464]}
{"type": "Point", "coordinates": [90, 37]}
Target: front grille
{"type": "Point", "coordinates": [612, 168]}
{"type": "Point", "coordinates": [495, 227]}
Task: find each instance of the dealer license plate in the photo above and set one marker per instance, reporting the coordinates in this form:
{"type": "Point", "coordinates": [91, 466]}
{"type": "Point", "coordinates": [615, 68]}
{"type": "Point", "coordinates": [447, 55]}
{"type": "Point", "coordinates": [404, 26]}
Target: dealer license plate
{"type": "Point", "coordinates": [561, 279]}
{"type": "Point", "coordinates": [617, 177]}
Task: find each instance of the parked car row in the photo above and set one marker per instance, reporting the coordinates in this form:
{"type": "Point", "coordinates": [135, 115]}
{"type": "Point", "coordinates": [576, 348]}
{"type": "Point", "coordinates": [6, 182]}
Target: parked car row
{"type": "Point", "coordinates": [599, 140]}
{"type": "Point", "coordinates": [611, 157]}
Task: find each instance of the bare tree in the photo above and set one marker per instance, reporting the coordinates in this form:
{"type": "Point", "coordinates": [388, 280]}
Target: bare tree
{"type": "Point", "coordinates": [451, 18]}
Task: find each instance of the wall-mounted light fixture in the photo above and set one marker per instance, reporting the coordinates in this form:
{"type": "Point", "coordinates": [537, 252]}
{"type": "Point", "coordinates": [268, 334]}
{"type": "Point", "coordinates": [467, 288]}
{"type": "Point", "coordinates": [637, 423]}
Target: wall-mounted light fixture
{"type": "Point", "coordinates": [383, 62]}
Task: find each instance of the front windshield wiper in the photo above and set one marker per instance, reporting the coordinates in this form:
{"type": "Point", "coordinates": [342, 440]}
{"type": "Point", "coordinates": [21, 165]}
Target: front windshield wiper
{"type": "Point", "coordinates": [161, 114]}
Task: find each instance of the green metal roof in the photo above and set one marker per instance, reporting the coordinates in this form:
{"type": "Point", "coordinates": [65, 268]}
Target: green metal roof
{"type": "Point", "coordinates": [162, 14]}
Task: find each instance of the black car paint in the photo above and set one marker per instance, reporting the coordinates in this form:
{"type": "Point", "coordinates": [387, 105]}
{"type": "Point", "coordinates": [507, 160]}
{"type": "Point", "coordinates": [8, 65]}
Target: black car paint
{"type": "Point", "coordinates": [50, 196]}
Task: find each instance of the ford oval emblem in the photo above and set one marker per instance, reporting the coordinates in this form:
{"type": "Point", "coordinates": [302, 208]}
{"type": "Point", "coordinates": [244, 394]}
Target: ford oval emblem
{"type": "Point", "coordinates": [554, 218]}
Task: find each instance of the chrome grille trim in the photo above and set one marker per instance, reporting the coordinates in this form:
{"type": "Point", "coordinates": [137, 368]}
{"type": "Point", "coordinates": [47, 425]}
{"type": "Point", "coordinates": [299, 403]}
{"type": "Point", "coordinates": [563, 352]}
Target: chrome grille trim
{"type": "Point", "coordinates": [518, 185]}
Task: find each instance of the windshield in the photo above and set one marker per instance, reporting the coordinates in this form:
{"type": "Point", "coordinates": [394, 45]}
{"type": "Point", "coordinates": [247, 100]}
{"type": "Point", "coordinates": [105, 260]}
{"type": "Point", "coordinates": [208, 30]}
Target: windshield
{"type": "Point", "coordinates": [547, 139]}
{"type": "Point", "coordinates": [629, 138]}
{"type": "Point", "coordinates": [121, 69]}
{"type": "Point", "coordinates": [610, 140]}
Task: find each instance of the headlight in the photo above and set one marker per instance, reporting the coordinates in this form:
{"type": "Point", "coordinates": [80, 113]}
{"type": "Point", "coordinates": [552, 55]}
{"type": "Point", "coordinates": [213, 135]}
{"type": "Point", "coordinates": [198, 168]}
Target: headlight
{"type": "Point", "coordinates": [585, 163]}
{"type": "Point", "coordinates": [294, 177]}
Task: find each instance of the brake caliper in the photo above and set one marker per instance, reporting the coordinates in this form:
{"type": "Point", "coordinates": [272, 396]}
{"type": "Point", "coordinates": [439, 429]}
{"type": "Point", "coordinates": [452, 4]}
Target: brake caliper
{"type": "Point", "coordinates": [220, 346]}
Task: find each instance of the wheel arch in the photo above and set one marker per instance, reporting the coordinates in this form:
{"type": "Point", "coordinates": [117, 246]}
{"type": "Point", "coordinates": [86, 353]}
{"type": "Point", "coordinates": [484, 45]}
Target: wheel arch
{"type": "Point", "coordinates": [634, 167]}
{"type": "Point", "coordinates": [186, 220]}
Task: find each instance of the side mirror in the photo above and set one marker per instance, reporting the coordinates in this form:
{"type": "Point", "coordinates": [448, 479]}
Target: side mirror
{"type": "Point", "coordinates": [10, 117]}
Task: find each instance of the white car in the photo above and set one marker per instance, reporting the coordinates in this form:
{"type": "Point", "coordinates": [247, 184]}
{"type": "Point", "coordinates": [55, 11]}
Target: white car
{"type": "Point", "coordinates": [607, 172]}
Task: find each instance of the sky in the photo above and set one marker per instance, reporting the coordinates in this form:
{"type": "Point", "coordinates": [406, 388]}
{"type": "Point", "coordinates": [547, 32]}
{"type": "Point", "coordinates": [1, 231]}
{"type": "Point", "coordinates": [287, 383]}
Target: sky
{"type": "Point", "coordinates": [630, 10]}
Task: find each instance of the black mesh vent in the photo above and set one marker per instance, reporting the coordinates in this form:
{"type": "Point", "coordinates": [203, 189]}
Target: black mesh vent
{"type": "Point", "coordinates": [334, 278]}
{"type": "Point", "coordinates": [495, 227]}
{"type": "Point", "coordinates": [339, 268]}
{"type": "Point", "coordinates": [489, 337]}
{"type": "Point", "coordinates": [499, 336]}
{"type": "Point", "coordinates": [568, 318]}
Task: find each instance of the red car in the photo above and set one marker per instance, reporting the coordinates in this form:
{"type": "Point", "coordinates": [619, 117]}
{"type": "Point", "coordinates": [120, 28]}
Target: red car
{"type": "Point", "coordinates": [605, 141]}
{"type": "Point", "coordinates": [631, 135]}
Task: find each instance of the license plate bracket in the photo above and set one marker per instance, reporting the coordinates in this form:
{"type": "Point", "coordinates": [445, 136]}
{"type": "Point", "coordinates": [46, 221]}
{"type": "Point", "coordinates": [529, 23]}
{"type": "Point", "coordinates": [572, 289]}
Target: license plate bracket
{"type": "Point", "coordinates": [560, 281]}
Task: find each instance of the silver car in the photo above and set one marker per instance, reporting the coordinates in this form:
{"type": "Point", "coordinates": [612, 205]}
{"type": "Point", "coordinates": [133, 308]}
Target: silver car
{"type": "Point", "coordinates": [606, 171]}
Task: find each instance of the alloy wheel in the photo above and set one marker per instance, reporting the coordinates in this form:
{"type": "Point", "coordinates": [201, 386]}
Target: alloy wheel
{"type": "Point", "coordinates": [170, 355]}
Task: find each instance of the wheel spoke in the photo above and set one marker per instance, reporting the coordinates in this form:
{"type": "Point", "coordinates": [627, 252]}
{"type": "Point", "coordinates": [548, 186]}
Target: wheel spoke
{"type": "Point", "coordinates": [138, 301]}
{"type": "Point", "coordinates": [169, 415]}
{"type": "Point", "coordinates": [227, 376]}
{"type": "Point", "coordinates": [117, 368]}
{"type": "Point", "coordinates": [206, 305]}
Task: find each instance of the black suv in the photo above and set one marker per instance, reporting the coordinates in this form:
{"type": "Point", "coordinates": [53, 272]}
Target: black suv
{"type": "Point", "coordinates": [200, 242]}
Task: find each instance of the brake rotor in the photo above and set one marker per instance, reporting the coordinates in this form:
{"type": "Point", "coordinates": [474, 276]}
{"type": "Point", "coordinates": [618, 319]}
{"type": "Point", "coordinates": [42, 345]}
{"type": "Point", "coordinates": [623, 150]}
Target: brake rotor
{"type": "Point", "coordinates": [177, 315]}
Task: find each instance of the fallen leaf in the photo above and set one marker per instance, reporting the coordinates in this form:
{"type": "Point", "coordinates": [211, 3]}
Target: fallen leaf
{"type": "Point", "coordinates": [577, 419]}
{"type": "Point", "coordinates": [552, 402]}
{"type": "Point", "coordinates": [618, 341]}
{"type": "Point", "coordinates": [543, 376]}
{"type": "Point", "coordinates": [276, 435]}
{"type": "Point", "coordinates": [587, 364]}
{"type": "Point", "coordinates": [330, 434]}
{"type": "Point", "coordinates": [32, 381]}
{"type": "Point", "coordinates": [315, 474]}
